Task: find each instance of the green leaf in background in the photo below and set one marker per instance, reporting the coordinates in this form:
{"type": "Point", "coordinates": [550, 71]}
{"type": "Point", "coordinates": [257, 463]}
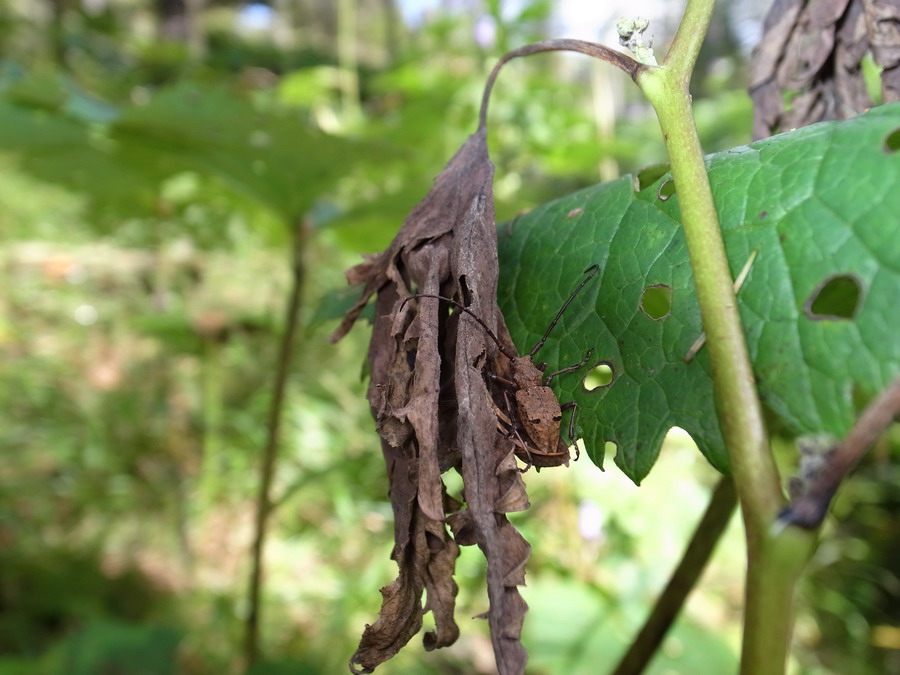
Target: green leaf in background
{"type": "Point", "coordinates": [108, 647]}
{"type": "Point", "coordinates": [819, 205]}
{"type": "Point", "coordinates": [122, 156]}
{"type": "Point", "coordinates": [275, 159]}
{"type": "Point", "coordinates": [58, 149]}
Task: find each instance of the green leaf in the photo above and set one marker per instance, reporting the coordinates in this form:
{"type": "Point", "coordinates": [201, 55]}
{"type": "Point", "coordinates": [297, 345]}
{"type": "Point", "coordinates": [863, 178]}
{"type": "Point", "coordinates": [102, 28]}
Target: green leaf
{"type": "Point", "coordinates": [275, 160]}
{"type": "Point", "coordinates": [120, 157]}
{"type": "Point", "coordinates": [57, 149]}
{"type": "Point", "coordinates": [109, 647]}
{"type": "Point", "coordinates": [336, 303]}
{"type": "Point", "coordinates": [819, 205]}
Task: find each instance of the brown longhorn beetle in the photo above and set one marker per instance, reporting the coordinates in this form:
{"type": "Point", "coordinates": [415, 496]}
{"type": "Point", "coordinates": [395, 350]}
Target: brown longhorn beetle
{"type": "Point", "coordinates": [537, 412]}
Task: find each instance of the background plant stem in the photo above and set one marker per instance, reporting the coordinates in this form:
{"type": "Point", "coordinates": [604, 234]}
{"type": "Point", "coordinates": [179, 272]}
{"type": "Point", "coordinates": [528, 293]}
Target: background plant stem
{"type": "Point", "coordinates": [270, 452]}
{"type": "Point", "coordinates": [668, 605]}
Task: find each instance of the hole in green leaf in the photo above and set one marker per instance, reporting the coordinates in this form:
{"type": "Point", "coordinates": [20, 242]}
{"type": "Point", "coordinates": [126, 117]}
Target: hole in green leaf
{"type": "Point", "coordinates": [650, 174]}
{"type": "Point", "coordinates": [656, 302]}
{"type": "Point", "coordinates": [837, 297]}
{"type": "Point", "coordinates": [610, 448]}
{"type": "Point", "coordinates": [892, 141]}
{"type": "Point", "coordinates": [666, 189]}
{"type": "Point", "coordinates": [598, 377]}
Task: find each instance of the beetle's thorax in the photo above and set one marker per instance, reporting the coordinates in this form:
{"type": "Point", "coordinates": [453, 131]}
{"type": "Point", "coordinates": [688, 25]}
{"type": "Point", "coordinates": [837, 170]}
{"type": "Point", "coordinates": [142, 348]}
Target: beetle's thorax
{"type": "Point", "coordinates": [526, 374]}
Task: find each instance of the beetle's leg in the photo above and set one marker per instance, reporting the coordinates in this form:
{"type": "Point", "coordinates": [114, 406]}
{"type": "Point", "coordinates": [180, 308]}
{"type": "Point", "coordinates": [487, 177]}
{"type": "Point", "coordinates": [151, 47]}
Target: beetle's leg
{"type": "Point", "coordinates": [501, 380]}
{"type": "Point", "coordinates": [529, 463]}
{"type": "Point", "coordinates": [508, 418]}
{"type": "Point", "coordinates": [514, 433]}
{"type": "Point", "coordinates": [518, 436]}
{"type": "Point", "coordinates": [571, 405]}
{"type": "Point", "coordinates": [570, 369]}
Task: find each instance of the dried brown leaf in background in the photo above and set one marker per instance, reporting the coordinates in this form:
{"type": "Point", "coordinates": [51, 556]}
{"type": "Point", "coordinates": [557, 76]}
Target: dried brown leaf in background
{"type": "Point", "coordinates": [808, 66]}
{"type": "Point", "coordinates": [883, 26]}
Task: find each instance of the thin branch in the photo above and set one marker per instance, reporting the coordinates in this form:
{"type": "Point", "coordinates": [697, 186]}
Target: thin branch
{"type": "Point", "coordinates": [616, 58]}
{"type": "Point", "coordinates": [810, 508]}
{"type": "Point", "coordinates": [684, 578]}
{"type": "Point", "coordinates": [270, 451]}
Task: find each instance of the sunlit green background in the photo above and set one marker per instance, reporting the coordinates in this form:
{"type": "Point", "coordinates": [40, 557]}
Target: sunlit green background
{"type": "Point", "coordinates": [156, 159]}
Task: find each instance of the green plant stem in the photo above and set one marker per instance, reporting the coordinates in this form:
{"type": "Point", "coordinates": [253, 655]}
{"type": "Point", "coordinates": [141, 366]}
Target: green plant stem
{"type": "Point", "coordinates": [741, 413]}
{"type": "Point", "coordinates": [772, 574]}
{"type": "Point", "coordinates": [270, 453]}
{"type": "Point", "coordinates": [738, 405]}
{"type": "Point", "coordinates": [774, 561]}
{"type": "Point", "coordinates": [691, 33]}
{"type": "Point", "coordinates": [668, 605]}
{"type": "Point", "coordinates": [211, 468]}
{"type": "Point", "coordinates": [348, 59]}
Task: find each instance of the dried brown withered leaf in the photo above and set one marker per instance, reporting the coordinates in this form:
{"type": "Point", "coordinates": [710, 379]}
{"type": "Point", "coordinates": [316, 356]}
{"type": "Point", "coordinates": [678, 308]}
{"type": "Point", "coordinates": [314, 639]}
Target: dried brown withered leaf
{"type": "Point", "coordinates": [488, 464]}
{"type": "Point", "coordinates": [434, 409]}
{"type": "Point", "coordinates": [433, 412]}
{"type": "Point", "coordinates": [813, 51]}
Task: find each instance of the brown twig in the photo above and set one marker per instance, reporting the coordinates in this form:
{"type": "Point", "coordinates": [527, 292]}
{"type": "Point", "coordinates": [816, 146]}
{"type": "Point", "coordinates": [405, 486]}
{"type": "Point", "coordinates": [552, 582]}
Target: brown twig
{"type": "Point", "coordinates": [668, 605]}
{"type": "Point", "coordinates": [616, 58]}
{"type": "Point", "coordinates": [809, 509]}
{"type": "Point", "coordinates": [270, 451]}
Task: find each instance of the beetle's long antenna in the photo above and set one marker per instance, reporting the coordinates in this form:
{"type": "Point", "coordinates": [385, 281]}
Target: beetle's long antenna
{"type": "Point", "coordinates": [463, 308]}
{"type": "Point", "coordinates": [590, 272]}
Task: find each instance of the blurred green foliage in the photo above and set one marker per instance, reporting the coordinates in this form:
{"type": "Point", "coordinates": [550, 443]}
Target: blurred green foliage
{"type": "Point", "coordinates": [150, 183]}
